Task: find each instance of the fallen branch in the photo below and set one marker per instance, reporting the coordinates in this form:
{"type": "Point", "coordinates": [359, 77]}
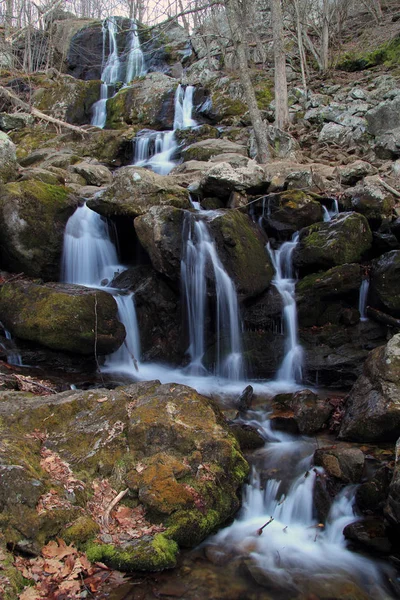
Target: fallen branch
{"type": "Point", "coordinates": [381, 317]}
{"type": "Point", "coordinates": [113, 503]}
{"type": "Point", "coordinates": [389, 188]}
{"type": "Point", "coordinates": [9, 96]}
{"type": "Point", "coordinates": [259, 531]}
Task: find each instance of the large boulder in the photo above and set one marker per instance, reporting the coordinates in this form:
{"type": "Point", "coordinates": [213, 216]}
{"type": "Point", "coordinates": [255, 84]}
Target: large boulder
{"type": "Point", "coordinates": [167, 446]}
{"type": "Point", "coordinates": [341, 462]}
{"type": "Point", "coordinates": [385, 280]}
{"type": "Point", "coordinates": [373, 406]}
{"type": "Point", "coordinates": [62, 316]}
{"type": "Point", "coordinates": [206, 149]}
{"type": "Point", "coordinates": [384, 117]}
{"type": "Point", "coordinates": [8, 159]}
{"type": "Point", "coordinates": [241, 248]}
{"type": "Point", "coordinates": [304, 409]}
{"type": "Point", "coordinates": [135, 191]}
{"type": "Point", "coordinates": [33, 215]}
{"type": "Point", "coordinates": [342, 240]}
{"type": "Point", "coordinates": [291, 211]}
{"type": "Point", "coordinates": [371, 200]}
{"type": "Point", "coordinates": [160, 233]}
{"type": "Point", "coordinates": [222, 179]}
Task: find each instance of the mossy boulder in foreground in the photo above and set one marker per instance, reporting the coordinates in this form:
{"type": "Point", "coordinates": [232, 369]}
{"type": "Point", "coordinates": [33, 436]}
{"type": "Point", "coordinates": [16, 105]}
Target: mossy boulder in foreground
{"type": "Point", "coordinates": [63, 317]}
{"type": "Point", "coordinates": [167, 445]}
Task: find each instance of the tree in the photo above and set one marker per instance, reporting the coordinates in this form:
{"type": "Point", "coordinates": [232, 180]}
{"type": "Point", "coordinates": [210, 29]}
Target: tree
{"type": "Point", "coordinates": [281, 96]}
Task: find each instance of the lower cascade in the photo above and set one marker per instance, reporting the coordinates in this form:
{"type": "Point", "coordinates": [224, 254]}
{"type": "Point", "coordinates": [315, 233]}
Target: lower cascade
{"type": "Point", "coordinates": [292, 365]}
{"type": "Point", "coordinates": [199, 254]}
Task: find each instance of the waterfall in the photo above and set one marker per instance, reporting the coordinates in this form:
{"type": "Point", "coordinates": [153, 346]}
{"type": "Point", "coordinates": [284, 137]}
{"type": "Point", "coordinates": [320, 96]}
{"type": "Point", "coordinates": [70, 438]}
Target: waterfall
{"type": "Point", "coordinates": [113, 69]}
{"type": "Point", "coordinates": [12, 355]}
{"type": "Point", "coordinates": [363, 298]}
{"type": "Point", "coordinates": [90, 259]}
{"type": "Point", "coordinates": [156, 149]}
{"type": "Point", "coordinates": [199, 254]}
{"type": "Point", "coordinates": [291, 367]}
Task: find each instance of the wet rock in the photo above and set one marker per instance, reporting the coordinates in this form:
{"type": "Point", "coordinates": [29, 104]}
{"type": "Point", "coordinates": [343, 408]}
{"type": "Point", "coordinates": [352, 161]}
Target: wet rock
{"type": "Point", "coordinates": [206, 149]}
{"type": "Point", "coordinates": [33, 216]}
{"type": "Point", "coordinates": [369, 535]}
{"type": "Point", "coordinates": [135, 191]}
{"type": "Point", "coordinates": [371, 495]}
{"type": "Point", "coordinates": [62, 316]}
{"type": "Point", "coordinates": [309, 412]}
{"type": "Point", "coordinates": [372, 409]}
{"type": "Point", "coordinates": [222, 179]}
{"type": "Point", "coordinates": [343, 240]}
{"type": "Point", "coordinates": [264, 352]}
{"type": "Point", "coordinates": [245, 399]}
{"type": "Point", "coordinates": [385, 280]}
{"type": "Point", "coordinates": [241, 248]}
{"type": "Point", "coordinates": [249, 437]}
{"type": "Point", "coordinates": [264, 312]}
{"type": "Point", "coordinates": [160, 233]}
{"type": "Point", "coordinates": [341, 462]}
{"type": "Point", "coordinates": [8, 159]}
{"type": "Point", "coordinates": [392, 508]}
{"type": "Point", "coordinates": [292, 211]}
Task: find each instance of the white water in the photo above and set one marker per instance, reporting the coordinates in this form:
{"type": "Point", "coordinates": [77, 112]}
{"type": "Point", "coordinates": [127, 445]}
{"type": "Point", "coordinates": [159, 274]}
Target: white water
{"type": "Point", "coordinates": [363, 298]}
{"type": "Point", "coordinates": [12, 355]}
{"type": "Point", "coordinates": [329, 214]}
{"type": "Point", "coordinates": [114, 70]}
{"type": "Point", "coordinates": [291, 368]}
{"type": "Point", "coordinates": [199, 254]}
{"type": "Point", "coordinates": [293, 550]}
{"type": "Point", "coordinates": [156, 149]}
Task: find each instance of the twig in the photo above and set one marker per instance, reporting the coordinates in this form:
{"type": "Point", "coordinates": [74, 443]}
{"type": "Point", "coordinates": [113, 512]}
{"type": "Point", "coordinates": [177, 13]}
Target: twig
{"type": "Point", "coordinates": [112, 504]}
{"type": "Point", "coordinates": [389, 188]}
{"type": "Point", "coordinates": [259, 531]}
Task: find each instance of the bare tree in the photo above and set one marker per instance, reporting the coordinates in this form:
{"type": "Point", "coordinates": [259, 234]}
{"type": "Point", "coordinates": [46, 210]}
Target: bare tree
{"type": "Point", "coordinates": [281, 96]}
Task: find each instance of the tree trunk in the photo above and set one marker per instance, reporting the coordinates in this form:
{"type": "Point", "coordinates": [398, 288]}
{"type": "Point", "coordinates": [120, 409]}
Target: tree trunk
{"type": "Point", "coordinates": [281, 96]}
{"type": "Point", "coordinates": [260, 131]}
{"type": "Point", "coordinates": [325, 36]}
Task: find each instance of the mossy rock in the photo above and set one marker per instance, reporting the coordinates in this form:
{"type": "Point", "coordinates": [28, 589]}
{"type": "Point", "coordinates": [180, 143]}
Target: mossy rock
{"type": "Point", "coordinates": [147, 554]}
{"type": "Point", "coordinates": [294, 210]}
{"type": "Point", "coordinates": [387, 54]}
{"type": "Point", "coordinates": [241, 248]}
{"type": "Point", "coordinates": [135, 191]}
{"type": "Point", "coordinates": [30, 139]}
{"type": "Point", "coordinates": [225, 108]}
{"type": "Point", "coordinates": [196, 134]}
{"type": "Point", "coordinates": [11, 580]}
{"type": "Point", "coordinates": [62, 316]}
{"type": "Point", "coordinates": [83, 530]}
{"type": "Point", "coordinates": [33, 215]}
{"type": "Point", "coordinates": [8, 159]}
{"type": "Point", "coordinates": [206, 149]}
{"type": "Point", "coordinates": [342, 240]}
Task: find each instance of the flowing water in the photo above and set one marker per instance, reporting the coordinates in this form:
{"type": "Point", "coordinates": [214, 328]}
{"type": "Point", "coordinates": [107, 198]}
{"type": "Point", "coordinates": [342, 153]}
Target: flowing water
{"type": "Point", "coordinates": [332, 212]}
{"type": "Point", "coordinates": [199, 254]}
{"type": "Point", "coordinates": [292, 366]}
{"type": "Point", "coordinates": [363, 299]}
{"type": "Point", "coordinates": [156, 150]}
{"type": "Point", "coordinates": [116, 68]}
{"type": "Point", "coordinates": [13, 357]}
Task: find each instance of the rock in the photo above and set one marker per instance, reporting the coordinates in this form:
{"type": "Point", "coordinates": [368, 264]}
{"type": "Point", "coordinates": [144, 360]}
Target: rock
{"type": "Point", "coordinates": [342, 240]}
{"type": "Point", "coordinates": [311, 177]}
{"type": "Point", "coordinates": [185, 137]}
{"type": "Point", "coordinates": [148, 102]}
{"type": "Point", "coordinates": [264, 312]}
{"type": "Point", "coordinates": [341, 462]}
{"type": "Point", "coordinates": [241, 249]}
{"type": "Point", "coordinates": [282, 143]}
{"type": "Point", "coordinates": [248, 437]}
{"type": "Point", "coordinates": [206, 149]}
{"type": "Point", "coordinates": [333, 133]}
{"type": "Point", "coordinates": [170, 446]}
{"type": "Point", "coordinates": [385, 277]}
{"type": "Point", "coordinates": [291, 211]}
{"type": "Point", "coordinates": [264, 352]}
{"type": "Point", "coordinates": [392, 509]}
{"type": "Point", "coordinates": [135, 191]}
{"type": "Point", "coordinates": [32, 221]}
{"type": "Point", "coordinates": [8, 159]}
{"type": "Point", "coordinates": [245, 399]}
{"type": "Point", "coordinates": [160, 233]}
{"type": "Point", "coordinates": [372, 409]}
{"type": "Point", "coordinates": [353, 172]}
{"type": "Point", "coordinates": [235, 160]}
{"type": "Point", "coordinates": [371, 200]}
{"type": "Point", "coordinates": [387, 145]}
{"type": "Point", "coordinates": [222, 179]}
{"type": "Point", "coordinates": [304, 409]}
{"type": "Point", "coordinates": [62, 316]}
{"type": "Point", "coordinates": [371, 495]}
{"type": "Point", "coordinates": [384, 117]}
{"type": "Point", "coordinates": [369, 535]}
{"type": "Point", "coordinates": [93, 174]}
{"type": "Point", "coordinates": [9, 122]}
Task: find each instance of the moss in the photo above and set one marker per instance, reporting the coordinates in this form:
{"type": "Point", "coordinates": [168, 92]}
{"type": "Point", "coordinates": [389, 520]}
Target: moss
{"type": "Point", "coordinates": [264, 97]}
{"type": "Point", "coordinates": [14, 577]}
{"type": "Point", "coordinates": [81, 531]}
{"type": "Point", "coordinates": [387, 54]}
{"type": "Point", "coordinates": [227, 107]}
{"type": "Point", "coordinates": [189, 528]}
{"type": "Point", "coordinates": [146, 554]}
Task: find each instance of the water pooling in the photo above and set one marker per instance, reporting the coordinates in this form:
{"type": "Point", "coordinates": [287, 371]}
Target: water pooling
{"type": "Point", "coordinates": [156, 150]}
{"type": "Point", "coordinates": [291, 369]}
{"type": "Point", "coordinates": [116, 68]}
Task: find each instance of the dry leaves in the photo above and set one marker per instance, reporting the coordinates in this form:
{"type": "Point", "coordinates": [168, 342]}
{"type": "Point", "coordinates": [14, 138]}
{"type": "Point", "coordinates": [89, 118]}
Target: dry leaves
{"type": "Point", "coordinates": [59, 470]}
{"type": "Point", "coordinates": [38, 387]}
{"type": "Point", "coordinates": [63, 573]}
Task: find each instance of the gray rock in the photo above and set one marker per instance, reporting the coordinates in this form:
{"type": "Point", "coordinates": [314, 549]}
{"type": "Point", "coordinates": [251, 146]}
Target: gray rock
{"type": "Point", "coordinates": [358, 94]}
{"type": "Point", "coordinates": [387, 145]}
{"type": "Point", "coordinates": [385, 280]}
{"type": "Point", "coordinates": [8, 159]}
{"type": "Point", "coordinates": [9, 122]}
{"type": "Point", "coordinates": [206, 149]}
{"type": "Point", "coordinates": [351, 173]}
{"type": "Point", "coordinates": [341, 462]}
{"type": "Point", "coordinates": [93, 174]}
{"type": "Point", "coordinates": [385, 117]}
{"type": "Point", "coordinates": [332, 133]}
{"type": "Point", "coordinates": [222, 179]}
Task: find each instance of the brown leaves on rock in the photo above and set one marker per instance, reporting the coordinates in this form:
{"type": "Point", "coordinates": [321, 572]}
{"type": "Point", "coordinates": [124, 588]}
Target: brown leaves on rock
{"type": "Point", "coordinates": [59, 470]}
{"type": "Point", "coordinates": [38, 387]}
{"type": "Point", "coordinates": [52, 501]}
{"type": "Point", "coordinates": [62, 573]}
{"type": "Point", "coordinates": [125, 523]}
{"type": "Point", "coordinates": [338, 412]}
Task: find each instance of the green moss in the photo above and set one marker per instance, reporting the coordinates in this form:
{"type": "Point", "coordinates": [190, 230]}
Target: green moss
{"type": "Point", "coordinates": [81, 531]}
{"type": "Point", "coordinates": [15, 579]}
{"type": "Point", "coordinates": [387, 54]}
{"type": "Point", "coordinates": [227, 107]}
{"type": "Point", "coordinates": [264, 97]}
{"type": "Point", "coordinates": [29, 139]}
{"type": "Point", "coordinates": [147, 554]}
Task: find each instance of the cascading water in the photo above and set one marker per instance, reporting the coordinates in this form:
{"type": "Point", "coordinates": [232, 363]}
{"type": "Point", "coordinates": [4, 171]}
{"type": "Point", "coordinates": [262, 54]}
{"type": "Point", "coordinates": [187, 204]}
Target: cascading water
{"type": "Point", "coordinates": [363, 298]}
{"type": "Point", "coordinates": [156, 149]}
{"type": "Point", "coordinates": [114, 70]}
{"type": "Point", "coordinates": [291, 368]}
{"type": "Point", "coordinates": [12, 355]}
{"type": "Point", "coordinates": [200, 253]}
{"type": "Point", "coordinates": [331, 213]}
{"type": "Point", "coordinates": [279, 532]}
